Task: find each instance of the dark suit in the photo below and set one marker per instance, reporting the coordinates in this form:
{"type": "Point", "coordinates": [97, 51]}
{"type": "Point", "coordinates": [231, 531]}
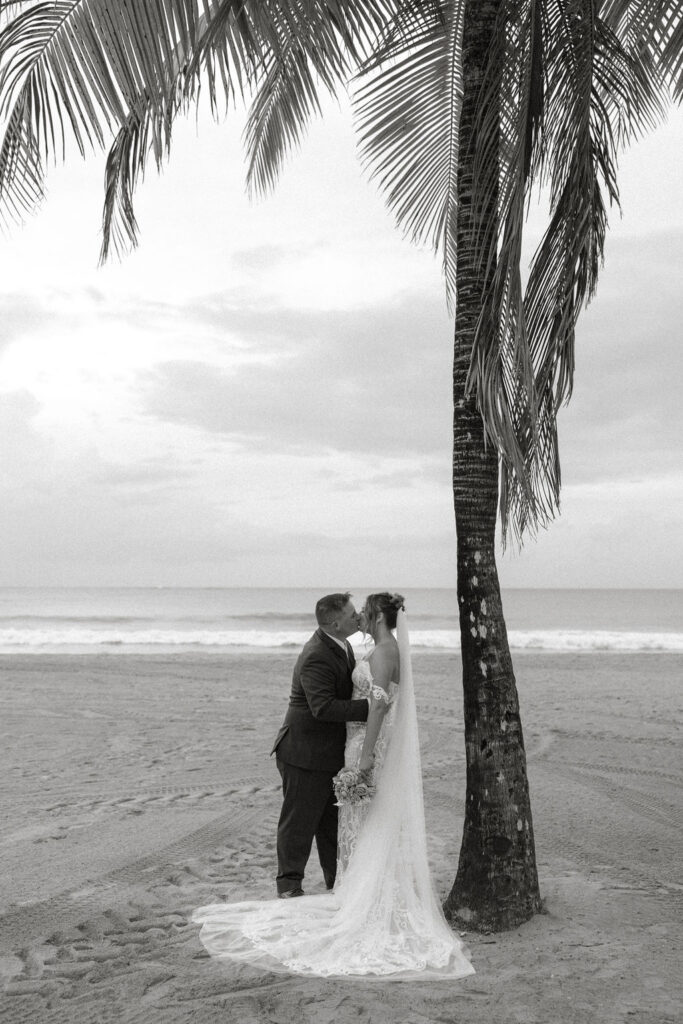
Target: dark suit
{"type": "Point", "coordinates": [310, 752]}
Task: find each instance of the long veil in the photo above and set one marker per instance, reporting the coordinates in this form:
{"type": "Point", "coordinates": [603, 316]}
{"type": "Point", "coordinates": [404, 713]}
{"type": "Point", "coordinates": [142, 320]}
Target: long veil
{"type": "Point", "coordinates": [384, 918]}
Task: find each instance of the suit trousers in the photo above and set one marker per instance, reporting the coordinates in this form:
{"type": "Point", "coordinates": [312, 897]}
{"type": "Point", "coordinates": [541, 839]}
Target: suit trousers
{"type": "Point", "coordinates": [308, 813]}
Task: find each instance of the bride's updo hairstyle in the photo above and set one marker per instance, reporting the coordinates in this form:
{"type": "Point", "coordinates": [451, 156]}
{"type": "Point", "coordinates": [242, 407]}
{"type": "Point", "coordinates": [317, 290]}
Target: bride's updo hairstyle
{"type": "Point", "coordinates": [385, 603]}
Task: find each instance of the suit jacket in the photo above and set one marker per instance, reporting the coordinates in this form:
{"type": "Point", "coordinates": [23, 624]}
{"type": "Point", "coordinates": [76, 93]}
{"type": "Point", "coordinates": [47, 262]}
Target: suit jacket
{"type": "Point", "coordinates": [313, 734]}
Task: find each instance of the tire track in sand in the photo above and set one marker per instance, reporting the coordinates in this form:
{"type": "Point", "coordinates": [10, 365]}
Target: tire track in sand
{"type": "Point", "coordinates": [83, 960]}
{"type": "Point", "coordinates": [644, 805]}
{"type": "Point", "coordinates": [25, 923]}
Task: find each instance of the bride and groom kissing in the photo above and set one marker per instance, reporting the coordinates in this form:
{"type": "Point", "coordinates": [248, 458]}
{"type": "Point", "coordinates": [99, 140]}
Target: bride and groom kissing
{"type": "Point", "coordinates": [349, 758]}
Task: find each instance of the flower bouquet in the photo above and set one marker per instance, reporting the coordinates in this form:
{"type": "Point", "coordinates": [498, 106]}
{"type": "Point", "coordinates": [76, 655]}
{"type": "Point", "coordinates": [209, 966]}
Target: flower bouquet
{"type": "Point", "coordinates": [352, 786]}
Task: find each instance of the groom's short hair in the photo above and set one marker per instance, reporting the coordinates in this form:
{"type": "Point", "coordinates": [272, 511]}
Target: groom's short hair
{"type": "Point", "coordinates": [329, 606]}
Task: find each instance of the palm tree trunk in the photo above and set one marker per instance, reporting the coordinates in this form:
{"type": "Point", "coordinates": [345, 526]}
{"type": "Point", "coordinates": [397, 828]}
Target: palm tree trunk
{"type": "Point", "coordinates": [496, 886]}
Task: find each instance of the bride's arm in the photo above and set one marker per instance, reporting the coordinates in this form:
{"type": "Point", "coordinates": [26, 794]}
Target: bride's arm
{"type": "Point", "coordinates": [382, 668]}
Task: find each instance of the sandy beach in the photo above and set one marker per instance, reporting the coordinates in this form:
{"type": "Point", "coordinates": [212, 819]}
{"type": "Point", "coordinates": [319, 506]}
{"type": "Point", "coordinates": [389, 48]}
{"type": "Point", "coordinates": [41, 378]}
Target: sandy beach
{"type": "Point", "coordinates": [138, 786]}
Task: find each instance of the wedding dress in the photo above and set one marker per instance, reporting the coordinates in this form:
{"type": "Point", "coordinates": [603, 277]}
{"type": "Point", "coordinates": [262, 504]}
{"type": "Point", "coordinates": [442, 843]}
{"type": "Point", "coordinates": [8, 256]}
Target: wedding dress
{"type": "Point", "coordinates": [352, 817]}
{"type": "Point", "coordinates": [383, 918]}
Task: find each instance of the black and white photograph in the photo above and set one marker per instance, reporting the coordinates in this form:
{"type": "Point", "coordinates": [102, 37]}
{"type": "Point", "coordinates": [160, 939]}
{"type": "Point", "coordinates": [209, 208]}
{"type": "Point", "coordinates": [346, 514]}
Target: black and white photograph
{"type": "Point", "coordinates": [341, 511]}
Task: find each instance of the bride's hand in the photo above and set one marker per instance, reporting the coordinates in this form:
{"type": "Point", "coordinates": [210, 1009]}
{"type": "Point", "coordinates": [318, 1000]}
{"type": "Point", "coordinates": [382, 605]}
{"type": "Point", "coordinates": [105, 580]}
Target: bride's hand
{"type": "Point", "coordinates": [365, 765]}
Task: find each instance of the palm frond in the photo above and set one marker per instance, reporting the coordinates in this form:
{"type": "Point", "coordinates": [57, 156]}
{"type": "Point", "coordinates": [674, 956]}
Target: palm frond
{"type": "Point", "coordinates": [20, 164]}
{"type": "Point", "coordinates": [311, 46]}
{"type": "Point", "coordinates": [287, 90]}
{"type": "Point", "coordinates": [85, 69]}
{"type": "Point", "coordinates": [408, 111]}
{"type": "Point", "coordinates": [125, 161]}
{"type": "Point", "coordinates": [147, 132]}
{"type": "Point", "coordinates": [223, 37]}
{"type": "Point", "coordinates": [282, 52]}
{"type": "Point", "coordinates": [508, 139]}
{"type": "Point", "coordinates": [572, 245]}
{"type": "Point", "coordinates": [601, 93]}
{"type": "Point", "coordinates": [227, 47]}
{"type": "Point", "coordinates": [89, 70]}
{"type": "Point", "coordinates": [563, 94]}
{"type": "Point", "coordinates": [655, 29]}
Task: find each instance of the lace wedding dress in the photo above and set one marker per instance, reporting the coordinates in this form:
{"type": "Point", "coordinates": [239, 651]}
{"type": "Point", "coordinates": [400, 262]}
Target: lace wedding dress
{"type": "Point", "coordinates": [383, 918]}
{"type": "Point", "coordinates": [352, 816]}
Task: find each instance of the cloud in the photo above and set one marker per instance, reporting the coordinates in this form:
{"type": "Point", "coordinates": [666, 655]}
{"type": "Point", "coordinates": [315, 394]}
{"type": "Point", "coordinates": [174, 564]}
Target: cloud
{"type": "Point", "coordinates": [17, 408]}
{"type": "Point", "coordinates": [260, 258]}
{"type": "Point", "coordinates": [375, 381]}
{"type": "Point", "coordinates": [616, 534]}
{"type": "Point", "coordinates": [625, 417]}
{"type": "Point", "coordinates": [24, 451]}
{"type": "Point", "coordinates": [58, 313]}
{"type": "Point", "coordinates": [145, 474]}
{"type": "Point", "coordinates": [21, 313]}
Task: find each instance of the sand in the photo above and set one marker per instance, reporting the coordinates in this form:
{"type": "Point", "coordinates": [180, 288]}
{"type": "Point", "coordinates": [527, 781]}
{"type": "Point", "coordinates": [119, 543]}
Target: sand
{"type": "Point", "coordinates": [137, 787]}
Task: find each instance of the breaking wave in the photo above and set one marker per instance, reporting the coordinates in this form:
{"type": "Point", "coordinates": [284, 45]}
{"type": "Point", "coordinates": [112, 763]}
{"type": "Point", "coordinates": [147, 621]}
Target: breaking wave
{"type": "Point", "coordinates": [562, 640]}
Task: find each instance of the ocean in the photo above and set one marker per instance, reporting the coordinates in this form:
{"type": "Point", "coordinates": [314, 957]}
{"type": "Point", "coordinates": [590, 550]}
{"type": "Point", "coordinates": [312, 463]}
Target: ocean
{"type": "Point", "coordinates": [73, 620]}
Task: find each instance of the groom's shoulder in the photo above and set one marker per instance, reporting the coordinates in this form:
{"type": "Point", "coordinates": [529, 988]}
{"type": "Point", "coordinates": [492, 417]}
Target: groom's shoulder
{"type": "Point", "coordinates": [315, 647]}
{"type": "Point", "coordinates": [314, 644]}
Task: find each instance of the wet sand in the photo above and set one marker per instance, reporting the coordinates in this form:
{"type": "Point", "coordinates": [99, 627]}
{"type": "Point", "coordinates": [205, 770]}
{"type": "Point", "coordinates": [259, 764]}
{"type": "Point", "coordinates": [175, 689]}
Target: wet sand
{"type": "Point", "coordinates": [137, 787]}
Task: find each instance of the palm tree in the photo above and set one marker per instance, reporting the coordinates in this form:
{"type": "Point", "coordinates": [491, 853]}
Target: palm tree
{"type": "Point", "coordinates": [496, 885]}
{"type": "Point", "coordinates": [466, 104]}
{"type": "Point", "coordinates": [483, 100]}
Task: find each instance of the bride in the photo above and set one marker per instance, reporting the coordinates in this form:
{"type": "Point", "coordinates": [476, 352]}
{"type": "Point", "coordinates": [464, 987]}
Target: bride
{"type": "Point", "coordinates": [383, 917]}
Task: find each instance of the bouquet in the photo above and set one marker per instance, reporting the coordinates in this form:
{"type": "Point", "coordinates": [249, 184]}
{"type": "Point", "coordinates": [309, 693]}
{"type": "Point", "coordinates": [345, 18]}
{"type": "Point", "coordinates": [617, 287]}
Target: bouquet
{"type": "Point", "coordinates": [352, 786]}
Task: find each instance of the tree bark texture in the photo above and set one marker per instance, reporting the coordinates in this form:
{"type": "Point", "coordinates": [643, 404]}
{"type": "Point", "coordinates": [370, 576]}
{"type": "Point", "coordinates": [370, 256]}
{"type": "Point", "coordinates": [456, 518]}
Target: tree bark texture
{"type": "Point", "coordinates": [496, 886]}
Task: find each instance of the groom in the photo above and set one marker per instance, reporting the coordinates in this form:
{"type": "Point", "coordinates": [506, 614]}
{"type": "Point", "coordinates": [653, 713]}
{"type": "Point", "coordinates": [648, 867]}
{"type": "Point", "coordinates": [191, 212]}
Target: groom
{"type": "Point", "coordinates": [309, 747]}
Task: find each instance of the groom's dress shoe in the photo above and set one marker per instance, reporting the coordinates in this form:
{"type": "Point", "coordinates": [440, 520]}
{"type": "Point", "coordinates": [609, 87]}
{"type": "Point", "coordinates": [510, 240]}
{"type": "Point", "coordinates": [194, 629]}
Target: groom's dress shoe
{"type": "Point", "coordinates": [290, 893]}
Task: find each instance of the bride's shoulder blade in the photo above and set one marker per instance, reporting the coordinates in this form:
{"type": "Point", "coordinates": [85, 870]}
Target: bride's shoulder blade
{"type": "Point", "coordinates": [384, 664]}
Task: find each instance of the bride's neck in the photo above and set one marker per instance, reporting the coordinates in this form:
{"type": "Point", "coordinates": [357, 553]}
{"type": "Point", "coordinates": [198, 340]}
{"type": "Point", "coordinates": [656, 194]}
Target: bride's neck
{"type": "Point", "coordinates": [380, 633]}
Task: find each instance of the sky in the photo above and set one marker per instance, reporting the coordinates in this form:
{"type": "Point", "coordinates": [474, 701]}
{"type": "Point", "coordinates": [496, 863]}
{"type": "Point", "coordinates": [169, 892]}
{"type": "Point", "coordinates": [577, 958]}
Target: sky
{"type": "Point", "coordinates": [259, 395]}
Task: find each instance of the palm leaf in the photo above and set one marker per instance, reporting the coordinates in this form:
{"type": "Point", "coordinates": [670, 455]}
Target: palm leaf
{"type": "Point", "coordinates": [20, 163]}
{"type": "Point", "coordinates": [144, 133]}
{"type": "Point", "coordinates": [281, 53]}
{"type": "Point", "coordinates": [562, 96]}
{"type": "Point", "coordinates": [85, 69]}
{"type": "Point", "coordinates": [287, 93]}
{"type": "Point", "coordinates": [508, 139]}
{"type": "Point", "coordinates": [223, 37]}
{"type": "Point", "coordinates": [408, 110]}
{"type": "Point", "coordinates": [600, 95]}
{"type": "Point", "coordinates": [655, 28]}
{"type": "Point", "coordinates": [311, 46]}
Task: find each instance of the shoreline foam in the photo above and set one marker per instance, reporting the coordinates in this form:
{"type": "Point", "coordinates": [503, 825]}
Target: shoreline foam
{"type": "Point", "coordinates": [556, 640]}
